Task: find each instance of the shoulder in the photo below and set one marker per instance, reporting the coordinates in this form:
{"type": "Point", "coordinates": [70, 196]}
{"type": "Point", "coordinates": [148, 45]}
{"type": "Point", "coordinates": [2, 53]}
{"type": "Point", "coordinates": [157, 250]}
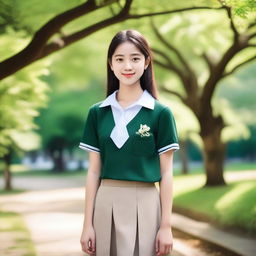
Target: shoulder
{"type": "Point", "coordinates": [161, 108]}
{"type": "Point", "coordinates": [95, 107]}
{"type": "Point", "coordinates": [97, 111]}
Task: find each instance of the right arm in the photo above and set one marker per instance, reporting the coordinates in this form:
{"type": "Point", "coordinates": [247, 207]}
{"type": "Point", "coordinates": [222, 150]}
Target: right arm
{"type": "Point", "coordinates": [92, 183]}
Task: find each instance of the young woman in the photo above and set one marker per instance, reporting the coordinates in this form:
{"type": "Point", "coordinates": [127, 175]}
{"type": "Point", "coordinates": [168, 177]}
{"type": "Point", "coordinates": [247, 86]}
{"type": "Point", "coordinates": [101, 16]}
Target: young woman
{"type": "Point", "coordinates": [131, 138]}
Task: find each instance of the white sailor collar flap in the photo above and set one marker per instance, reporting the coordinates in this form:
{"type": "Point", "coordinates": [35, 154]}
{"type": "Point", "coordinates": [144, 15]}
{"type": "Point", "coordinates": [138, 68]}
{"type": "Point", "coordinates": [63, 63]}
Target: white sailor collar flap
{"type": "Point", "coordinates": [120, 134]}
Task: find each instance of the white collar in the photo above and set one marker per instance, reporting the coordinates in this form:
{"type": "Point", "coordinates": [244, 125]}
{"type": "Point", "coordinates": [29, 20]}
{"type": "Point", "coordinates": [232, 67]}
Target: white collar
{"type": "Point", "coordinates": [145, 100]}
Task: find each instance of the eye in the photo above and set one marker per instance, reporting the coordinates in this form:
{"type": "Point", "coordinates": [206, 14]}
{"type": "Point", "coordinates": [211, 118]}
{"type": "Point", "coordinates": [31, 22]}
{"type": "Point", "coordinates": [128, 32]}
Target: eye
{"type": "Point", "coordinates": [136, 59]}
{"type": "Point", "coordinates": [119, 59]}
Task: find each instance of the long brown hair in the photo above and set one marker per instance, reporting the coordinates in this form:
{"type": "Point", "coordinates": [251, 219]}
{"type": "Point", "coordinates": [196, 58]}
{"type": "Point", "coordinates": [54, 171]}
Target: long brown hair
{"type": "Point", "coordinates": [147, 80]}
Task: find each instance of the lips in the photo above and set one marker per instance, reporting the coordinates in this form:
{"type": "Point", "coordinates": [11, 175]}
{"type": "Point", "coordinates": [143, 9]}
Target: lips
{"type": "Point", "coordinates": [128, 75]}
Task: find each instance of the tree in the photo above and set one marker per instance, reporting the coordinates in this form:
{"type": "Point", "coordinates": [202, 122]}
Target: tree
{"type": "Point", "coordinates": [66, 115]}
{"type": "Point", "coordinates": [52, 36]}
{"type": "Point", "coordinates": [41, 44]}
{"type": "Point", "coordinates": [21, 95]}
{"type": "Point", "coordinates": [198, 97]}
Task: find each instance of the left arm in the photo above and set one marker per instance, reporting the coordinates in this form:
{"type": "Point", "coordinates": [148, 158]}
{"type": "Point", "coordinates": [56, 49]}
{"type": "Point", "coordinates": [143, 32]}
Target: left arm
{"type": "Point", "coordinates": [164, 238]}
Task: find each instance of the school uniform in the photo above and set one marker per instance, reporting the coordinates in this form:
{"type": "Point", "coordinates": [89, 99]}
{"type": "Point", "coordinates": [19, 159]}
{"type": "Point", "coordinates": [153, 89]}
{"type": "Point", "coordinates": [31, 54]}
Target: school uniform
{"type": "Point", "coordinates": [127, 210]}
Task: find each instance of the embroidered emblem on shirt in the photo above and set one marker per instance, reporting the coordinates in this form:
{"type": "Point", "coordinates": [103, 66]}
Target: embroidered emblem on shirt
{"type": "Point", "coordinates": [143, 131]}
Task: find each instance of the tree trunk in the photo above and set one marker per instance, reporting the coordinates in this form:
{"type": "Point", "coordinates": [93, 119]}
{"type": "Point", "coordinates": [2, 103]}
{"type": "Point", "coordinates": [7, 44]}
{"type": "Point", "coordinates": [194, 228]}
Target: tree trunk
{"type": "Point", "coordinates": [184, 157]}
{"type": "Point", "coordinates": [214, 152]}
{"type": "Point", "coordinates": [58, 161]}
{"type": "Point", "coordinates": [7, 172]}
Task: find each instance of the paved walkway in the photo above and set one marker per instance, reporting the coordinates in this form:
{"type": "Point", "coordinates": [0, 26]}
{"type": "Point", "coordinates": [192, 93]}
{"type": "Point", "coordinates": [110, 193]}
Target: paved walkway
{"type": "Point", "coordinates": [55, 217]}
{"type": "Point", "coordinates": [241, 245]}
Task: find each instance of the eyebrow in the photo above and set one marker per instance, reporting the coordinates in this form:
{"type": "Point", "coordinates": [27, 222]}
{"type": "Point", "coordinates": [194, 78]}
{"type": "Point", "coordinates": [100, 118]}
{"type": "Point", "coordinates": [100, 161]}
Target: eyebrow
{"type": "Point", "coordinates": [133, 54]}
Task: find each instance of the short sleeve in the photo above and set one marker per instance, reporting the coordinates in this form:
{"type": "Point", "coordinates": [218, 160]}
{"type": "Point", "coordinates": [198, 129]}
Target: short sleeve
{"type": "Point", "coordinates": [89, 139]}
{"type": "Point", "coordinates": [167, 137]}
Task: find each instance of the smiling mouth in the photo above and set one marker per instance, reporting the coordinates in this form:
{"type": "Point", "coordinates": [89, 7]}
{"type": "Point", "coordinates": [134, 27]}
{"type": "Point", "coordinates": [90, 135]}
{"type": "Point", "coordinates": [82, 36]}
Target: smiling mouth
{"type": "Point", "coordinates": [128, 75]}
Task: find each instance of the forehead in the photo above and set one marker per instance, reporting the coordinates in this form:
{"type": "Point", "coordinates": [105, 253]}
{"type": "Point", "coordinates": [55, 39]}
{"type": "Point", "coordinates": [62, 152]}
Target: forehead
{"type": "Point", "coordinates": [127, 48]}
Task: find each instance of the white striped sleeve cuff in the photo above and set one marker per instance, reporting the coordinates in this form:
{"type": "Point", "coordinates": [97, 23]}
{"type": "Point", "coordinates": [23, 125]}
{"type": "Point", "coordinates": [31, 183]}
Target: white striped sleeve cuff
{"type": "Point", "coordinates": [88, 147]}
{"type": "Point", "coordinates": [174, 146]}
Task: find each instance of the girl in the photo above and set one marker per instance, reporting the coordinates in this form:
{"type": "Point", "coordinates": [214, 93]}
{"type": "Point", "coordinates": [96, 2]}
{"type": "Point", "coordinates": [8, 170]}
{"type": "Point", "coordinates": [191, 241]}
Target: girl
{"type": "Point", "coordinates": [131, 138]}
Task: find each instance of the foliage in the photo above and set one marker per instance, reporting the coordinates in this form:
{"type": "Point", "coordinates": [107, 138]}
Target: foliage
{"type": "Point", "coordinates": [28, 16]}
{"type": "Point", "coordinates": [194, 35]}
{"type": "Point", "coordinates": [241, 8]}
{"type": "Point", "coordinates": [21, 95]}
{"type": "Point", "coordinates": [71, 72]}
{"type": "Point", "coordinates": [62, 122]}
{"type": "Point", "coordinates": [244, 148]}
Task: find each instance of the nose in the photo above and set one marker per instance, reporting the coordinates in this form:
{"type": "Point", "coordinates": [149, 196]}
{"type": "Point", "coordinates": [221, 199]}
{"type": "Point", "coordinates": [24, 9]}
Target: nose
{"type": "Point", "coordinates": [127, 65]}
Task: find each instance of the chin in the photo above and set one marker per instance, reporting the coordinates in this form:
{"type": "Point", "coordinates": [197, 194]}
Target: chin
{"type": "Point", "coordinates": [131, 84]}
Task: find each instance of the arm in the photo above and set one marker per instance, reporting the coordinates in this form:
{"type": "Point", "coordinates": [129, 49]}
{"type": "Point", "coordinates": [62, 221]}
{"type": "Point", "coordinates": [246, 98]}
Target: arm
{"type": "Point", "coordinates": [164, 237]}
{"type": "Point", "coordinates": [92, 184]}
{"type": "Point", "coordinates": [166, 165]}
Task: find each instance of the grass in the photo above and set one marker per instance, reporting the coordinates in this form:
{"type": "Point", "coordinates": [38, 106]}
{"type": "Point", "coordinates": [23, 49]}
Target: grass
{"type": "Point", "coordinates": [48, 173]}
{"type": "Point", "coordinates": [240, 166]}
{"type": "Point", "coordinates": [11, 192]}
{"type": "Point", "coordinates": [229, 166]}
{"type": "Point", "coordinates": [16, 238]}
{"type": "Point", "coordinates": [21, 170]}
{"type": "Point", "coordinates": [232, 206]}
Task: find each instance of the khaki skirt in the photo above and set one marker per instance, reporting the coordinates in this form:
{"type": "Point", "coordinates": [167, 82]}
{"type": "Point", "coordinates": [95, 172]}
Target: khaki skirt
{"type": "Point", "coordinates": [126, 218]}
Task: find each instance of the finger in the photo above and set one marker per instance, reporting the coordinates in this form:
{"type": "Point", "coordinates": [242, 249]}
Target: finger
{"type": "Point", "coordinates": [89, 247]}
{"type": "Point", "coordinates": [93, 244]}
{"type": "Point", "coordinates": [84, 246]}
{"type": "Point", "coordinates": [157, 245]}
{"type": "Point", "coordinates": [167, 249]}
{"type": "Point", "coordinates": [86, 250]}
{"type": "Point", "coordinates": [161, 249]}
{"type": "Point", "coordinates": [90, 244]}
{"type": "Point", "coordinates": [170, 247]}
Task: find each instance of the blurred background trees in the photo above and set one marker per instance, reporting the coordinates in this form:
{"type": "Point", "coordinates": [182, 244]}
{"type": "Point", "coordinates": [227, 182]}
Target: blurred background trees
{"type": "Point", "coordinates": [217, 51]}
{"type": "Point", "coordinates": [74, 78]}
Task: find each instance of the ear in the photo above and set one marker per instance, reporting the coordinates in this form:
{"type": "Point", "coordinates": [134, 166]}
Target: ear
{"type": "Point", "coordinates": [147, 61]}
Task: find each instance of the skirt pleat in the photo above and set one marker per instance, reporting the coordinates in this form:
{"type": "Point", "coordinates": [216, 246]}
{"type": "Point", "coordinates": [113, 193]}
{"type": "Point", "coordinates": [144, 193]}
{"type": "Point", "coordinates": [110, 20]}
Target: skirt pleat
{"type": "Point", "coordinates": [126, 218]}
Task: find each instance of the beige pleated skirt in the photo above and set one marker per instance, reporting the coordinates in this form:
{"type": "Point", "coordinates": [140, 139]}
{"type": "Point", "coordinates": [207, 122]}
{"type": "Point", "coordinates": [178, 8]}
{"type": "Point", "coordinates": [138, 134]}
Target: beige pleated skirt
{"type": "Point", "coordinates": [126, 218]}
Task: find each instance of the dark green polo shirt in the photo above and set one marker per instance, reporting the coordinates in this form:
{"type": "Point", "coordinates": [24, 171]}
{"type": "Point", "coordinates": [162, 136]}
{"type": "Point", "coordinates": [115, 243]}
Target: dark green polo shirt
{"type": "Point", "coordinates": [138, 159]}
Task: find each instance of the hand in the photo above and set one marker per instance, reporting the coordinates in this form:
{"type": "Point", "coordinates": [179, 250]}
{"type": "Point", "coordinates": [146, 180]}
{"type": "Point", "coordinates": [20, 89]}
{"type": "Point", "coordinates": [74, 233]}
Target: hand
{"type": "Point", "coordinates": [87, 241]}
{"type": "Point", "coordinates": [164, 241]}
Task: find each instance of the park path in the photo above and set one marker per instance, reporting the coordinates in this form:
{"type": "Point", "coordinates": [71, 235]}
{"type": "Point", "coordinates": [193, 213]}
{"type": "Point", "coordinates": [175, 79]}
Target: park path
{"type": "Point", "coordinates": [53, 211]}
{"type": "Point", "coordinates": [53, 216]}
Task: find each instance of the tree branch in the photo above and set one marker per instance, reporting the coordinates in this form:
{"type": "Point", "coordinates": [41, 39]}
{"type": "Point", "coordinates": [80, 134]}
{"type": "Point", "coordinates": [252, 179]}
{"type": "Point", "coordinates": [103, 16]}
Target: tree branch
{"type": "Point", "coordinates": [240, 42]}
{"type": "Point", "coordinates": [208, 60]}
{"type": "Point", "coordinates": [138, 16]}
{"type": "Point", "coordinates": [52, 47]}
{"type": "Point", "coordinates": [165, 89]}
{"type": "Point", "coordinates": [231, 22]}
{"type": "Point", "coordinates": [169, 46]}
{"type": "Point", "coordinates": [164, 65]}
{"type": "Point", "coordinates": [252, 35]}
{"type": "Point", "coordinates": [217, 73]}
{"type": "Point", "coordinates": [67, 40]}
{"type": "Point", "coordinates": [238, 66]}
{"type": "Point", "coordinates": [186, 74]}
{"type": "Point", "coordinates": [251, 25]}
{"type": "Point", "coordinates": [38, 47]}
{"type": "Point", "coordinates": [192, 98]}
{"type": "Point", "coordinates": [169, 65]}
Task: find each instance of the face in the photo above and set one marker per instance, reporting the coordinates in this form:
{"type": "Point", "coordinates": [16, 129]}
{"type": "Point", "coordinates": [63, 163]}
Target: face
{"type": "Point", "coordinates": [128, 64]}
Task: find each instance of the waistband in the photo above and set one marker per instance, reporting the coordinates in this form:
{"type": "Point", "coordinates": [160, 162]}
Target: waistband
{"type": "Point", "coordinates": [125, 183]}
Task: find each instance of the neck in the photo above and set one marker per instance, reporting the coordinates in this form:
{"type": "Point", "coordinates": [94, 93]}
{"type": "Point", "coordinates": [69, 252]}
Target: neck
{"type": "Point", "coordinates": [129, 93]}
